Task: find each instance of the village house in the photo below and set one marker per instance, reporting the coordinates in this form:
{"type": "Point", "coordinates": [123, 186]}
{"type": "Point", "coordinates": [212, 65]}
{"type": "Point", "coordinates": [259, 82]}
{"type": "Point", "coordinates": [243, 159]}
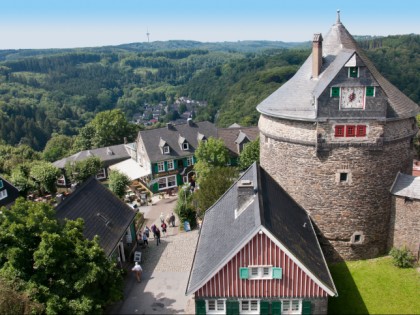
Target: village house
{"type": "Point", "coordinates": [168, 153]}
{"type": "Point", "coordinates": [258, 253]}
{"type": "Point", "coordinates": [8, 193]}
{"type": "Point", "coordinates": [104, 215]}
{"type": "Point", "coordinates": [236, 138]}
{"type": "Point", "coordinates": [109, 155]}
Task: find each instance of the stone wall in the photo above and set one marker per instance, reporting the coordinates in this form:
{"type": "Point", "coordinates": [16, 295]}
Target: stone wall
{"type": "Point", "coordinates": [345, 190]}
{"type": "Point", "coordinates": [405, 224]}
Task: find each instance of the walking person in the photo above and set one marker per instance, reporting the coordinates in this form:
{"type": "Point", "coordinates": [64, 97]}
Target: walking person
{"type": "Point", "coordinates": [162, 217]}
{"type": "Point", "coordinates": [172, 219]}
{"type": "Point", "coordinates": [157, 234]}
{"type": "Point", "coordinates": [138, 271]}
{"type": "Point", "coordinates": [145, 239]}
{"type": "Point", "coordinates": [163, 226]}
{"type": "Point", "coordinates": [153, 227]}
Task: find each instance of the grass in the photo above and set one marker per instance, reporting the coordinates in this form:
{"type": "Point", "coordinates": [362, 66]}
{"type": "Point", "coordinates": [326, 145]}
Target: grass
{"type": "Point", "coordinates": [375, 286]}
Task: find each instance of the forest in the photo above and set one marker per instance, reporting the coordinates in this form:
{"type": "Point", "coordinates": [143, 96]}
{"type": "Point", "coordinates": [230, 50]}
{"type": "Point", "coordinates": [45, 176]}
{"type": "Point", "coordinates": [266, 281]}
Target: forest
{"type": "Point", "coordinates": [45, 93]}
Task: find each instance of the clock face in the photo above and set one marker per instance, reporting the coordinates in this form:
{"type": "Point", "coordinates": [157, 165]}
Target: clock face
{"type": "Point", "coordinates": [352, 97]}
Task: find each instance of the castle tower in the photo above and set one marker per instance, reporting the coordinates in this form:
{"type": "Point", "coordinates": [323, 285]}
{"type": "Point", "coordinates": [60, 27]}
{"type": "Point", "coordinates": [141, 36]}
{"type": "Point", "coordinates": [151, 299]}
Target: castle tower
{"type": "Point", "coordinates": [334, 137]}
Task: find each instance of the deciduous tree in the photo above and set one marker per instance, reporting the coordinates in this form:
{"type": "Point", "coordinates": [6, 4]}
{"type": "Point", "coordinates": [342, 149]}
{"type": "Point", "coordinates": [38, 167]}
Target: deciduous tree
{"type": "Point", "coordinates": [250, 154]}
{"type": "Point", "coordinates": [118, 183]}
{"type": "Point", "coordinates": [54, 263]}
{"type": "Point", "coordinates": [81, 170]}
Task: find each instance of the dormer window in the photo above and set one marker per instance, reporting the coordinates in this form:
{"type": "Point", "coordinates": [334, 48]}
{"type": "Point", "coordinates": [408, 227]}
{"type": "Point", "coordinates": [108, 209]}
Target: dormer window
{"type": "Point", "coordinates": [164, 147]}
{"type": "Point", "coordinates": [353, 72]}
{"type": "Point", "coordinates": [183, 143]}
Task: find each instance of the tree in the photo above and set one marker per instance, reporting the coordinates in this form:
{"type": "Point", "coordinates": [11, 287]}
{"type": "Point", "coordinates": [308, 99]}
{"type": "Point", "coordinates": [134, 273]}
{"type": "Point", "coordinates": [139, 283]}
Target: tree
{"type": "Point", "coordinates": [21, 178]}
{"type": "Point", "coordinates": [54, 263]}
{"type": "Point", "coordinates": [209, 154]}
{"type": "Point", "coordinates": [45, 175]}
{"type": "Point", "coordinates": [57, 147]}
{"type": "Point", "coordinates": [184, 207]}
{"type": "Point", "coordinates": [118, 183]}
{"type": "Point", "coordinates": [250, 154]}
{"type": "Point", "coordinates": [214, 186]}
{"type": "Point", "coordinates": [81, 170]}
{"type": "Point", "coordinates": [107, 128]}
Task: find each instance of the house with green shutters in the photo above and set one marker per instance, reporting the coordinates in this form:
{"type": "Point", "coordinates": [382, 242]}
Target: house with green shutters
{"type": "Point", "coordinates": [168, 153]}
{"type": "Point", "coordinates": [257, 253]}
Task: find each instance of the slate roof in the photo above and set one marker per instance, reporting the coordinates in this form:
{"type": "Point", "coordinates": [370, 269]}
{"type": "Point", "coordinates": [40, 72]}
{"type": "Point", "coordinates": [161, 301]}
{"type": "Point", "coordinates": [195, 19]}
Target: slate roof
{"type": "Point", "coordinates": [296, 99]}
{"type": "Point", "coordinates": [221, 235]}
{"type": "Point", "coordinates": [406, 186]}
{"type": "Point", "coordinates": [233, 135]}
{"type": "Point", "coordinates": [108, 155]}
{"type": "Point", "coordinates": [153, 138]}
{"type": "Point", "coordinates": [104, 214]}
{"type": "Point", "coordinates": [12, 193]}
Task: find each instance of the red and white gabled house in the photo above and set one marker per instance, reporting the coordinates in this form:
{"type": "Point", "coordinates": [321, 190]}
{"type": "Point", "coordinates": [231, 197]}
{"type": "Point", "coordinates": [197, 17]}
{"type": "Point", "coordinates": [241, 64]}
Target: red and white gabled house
{"type": "Point", "coordinates": [258, 254]}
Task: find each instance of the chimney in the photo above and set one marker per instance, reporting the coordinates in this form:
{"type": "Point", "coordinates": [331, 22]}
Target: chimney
{"type": "Point", "coordinates": [169, 126]}
{"type": "Point", "coordinates": [316, 55]}
{"type": "Point", "coordinates": [189, 121]}
{"type": "Point", "coordinates": [245, 192]}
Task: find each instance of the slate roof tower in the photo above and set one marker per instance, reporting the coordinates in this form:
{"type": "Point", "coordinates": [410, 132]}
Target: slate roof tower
{"type": "Point", "coordinates": [334, 137]}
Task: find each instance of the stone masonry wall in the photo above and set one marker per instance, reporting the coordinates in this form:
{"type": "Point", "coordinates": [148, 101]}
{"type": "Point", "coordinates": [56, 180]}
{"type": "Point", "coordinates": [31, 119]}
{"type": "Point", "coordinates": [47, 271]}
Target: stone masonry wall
{"type": "Point", "coordinates": [352, 214]}
{"type": "Point", "coordinates": [405, 224]}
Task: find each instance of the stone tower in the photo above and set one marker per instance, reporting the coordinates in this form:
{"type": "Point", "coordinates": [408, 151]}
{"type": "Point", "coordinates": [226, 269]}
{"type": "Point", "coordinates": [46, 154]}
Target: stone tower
{"type": "Point", "coordinates": [334, 137]}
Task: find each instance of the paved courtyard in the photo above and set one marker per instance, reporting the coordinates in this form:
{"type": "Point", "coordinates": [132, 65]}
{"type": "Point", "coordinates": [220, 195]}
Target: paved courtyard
{"type": "Point", "coordinates": [165, 270]}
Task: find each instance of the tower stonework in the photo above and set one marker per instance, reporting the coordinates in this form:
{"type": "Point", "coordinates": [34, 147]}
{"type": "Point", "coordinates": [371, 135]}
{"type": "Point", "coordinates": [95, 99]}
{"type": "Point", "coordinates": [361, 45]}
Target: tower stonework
{"type": "Point", "coordinates": [335, 141]}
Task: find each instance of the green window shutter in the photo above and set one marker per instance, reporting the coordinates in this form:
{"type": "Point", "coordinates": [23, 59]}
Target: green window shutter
{"type": "Point", "coordinates": [264, 307]}
{"type": "Point", "coordinates": [277, 273]}
{"type": "Point", "coordinates": [335, 91]}
{"type": "Point", "coordinates": [200, 307]}
{"type": "Point", "coordinates": [306, 307]}
{"type": "Point", "coordinates": [165, 165]}
{"type": "Point", "coordinates": [1, 183]}
{"type": "Point", "coordinates": [370, 91]}
{"type": "Point", "coordinates": [353, 72]}
{"type": "Point", "coordinates": [243, 273]}
{"type": "Point", "coordinates": [276, 308]}
{"type": "Point", "coordinates": [175, 164]}
{"type": "Point", "coordinates": [232, 307]}
{"type": "Point", "coordinates": [156, 168]}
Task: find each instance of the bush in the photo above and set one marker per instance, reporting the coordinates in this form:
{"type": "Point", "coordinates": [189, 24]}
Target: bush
{"type": "Point", "coordinates": [402, 257]}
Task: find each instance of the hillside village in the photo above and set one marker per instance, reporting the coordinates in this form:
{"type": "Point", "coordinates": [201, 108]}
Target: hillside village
{"type": "Point", "coordinates": [336, 179]}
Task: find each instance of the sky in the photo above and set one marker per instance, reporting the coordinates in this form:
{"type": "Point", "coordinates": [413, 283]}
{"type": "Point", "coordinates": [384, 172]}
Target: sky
{"type": "Point", "coordinates": [91, 23]}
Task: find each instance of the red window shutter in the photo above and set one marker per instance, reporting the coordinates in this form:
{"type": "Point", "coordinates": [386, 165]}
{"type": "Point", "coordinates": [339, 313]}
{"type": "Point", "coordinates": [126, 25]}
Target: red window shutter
{"type": "Point", "coordinates": [361, 131]}
{"type": "Point", "coordinates": [339, 131]}
{"type": "Point", "coordinates": [350, 131]}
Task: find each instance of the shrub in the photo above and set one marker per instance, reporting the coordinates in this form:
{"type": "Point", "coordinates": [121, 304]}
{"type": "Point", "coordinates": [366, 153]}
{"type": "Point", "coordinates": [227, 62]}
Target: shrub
{"type": "Point", "coordinates": [402, 257]}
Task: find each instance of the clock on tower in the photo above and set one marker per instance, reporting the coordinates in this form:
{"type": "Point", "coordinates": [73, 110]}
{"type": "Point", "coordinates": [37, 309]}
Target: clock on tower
{"type": "Point", "coordinates": [352, 97]}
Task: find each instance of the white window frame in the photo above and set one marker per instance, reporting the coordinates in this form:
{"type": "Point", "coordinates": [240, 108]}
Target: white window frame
{"type": "Point", "coordinates": [166, 149]}
{"type": "Point", "coordinates": [219, 306]}
{"type": "Point", "coordinates": [185, 146]}
{"type": "Point", "coordinates": [61, 180]}
{"type": "Point", "coordinates": [161, 167]}
{"type": "Point", "coordinates": [166, 180]}
{"type": "Point", "coordinates": [289, 303]}
{"type": "Point", "coordinates": [257, 272]}
{"type": "Point", "coordinates": [190, 160]}
{"type": "Point", "coordinates": [249, 302]}
{"type": "Point", "coordinates": [101, 174]}
{"type": "Point", "coordinates": [3, 194]}
{"type": "Point", "coordinates": [171, 165]}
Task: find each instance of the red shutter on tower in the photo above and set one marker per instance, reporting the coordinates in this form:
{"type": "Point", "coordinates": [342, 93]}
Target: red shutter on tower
{"type": "Point", "coordinates": [350, 131]}
{"type": "Point", "coordinates": [361, 131]}
{"type": "Point", "coordinates": [339, 131]}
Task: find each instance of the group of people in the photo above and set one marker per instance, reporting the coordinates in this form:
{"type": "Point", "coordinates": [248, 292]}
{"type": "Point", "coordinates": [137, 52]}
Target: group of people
{"type": "Point", "coordinates": [144, 237]}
